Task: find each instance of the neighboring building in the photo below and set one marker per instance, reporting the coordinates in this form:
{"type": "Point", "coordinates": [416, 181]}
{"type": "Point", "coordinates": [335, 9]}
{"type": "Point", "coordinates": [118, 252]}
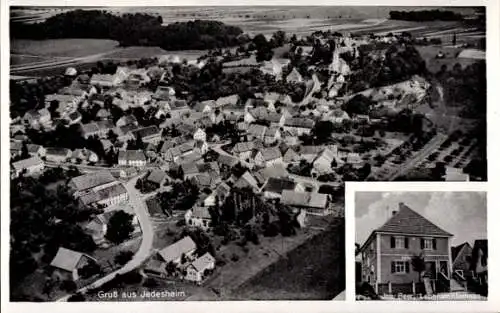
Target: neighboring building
{"type": "Point", "coordinates": [135, 158]}
{"type": "Point", "coordinates": [28, 167]}
{"type": "Point", "coordinates": [175, 251]}
{"type": "Point", "coordinates": [461, 257]}
{"type": "Point", "coordinates": [57, 155]}
{"type": "Point", "coordinates": [479, 262]}
{"type": "Point", "coordinates": [197, 270]}
{"type": "Point", "coordinates": [127, 120]}
{"type": "Point", "coordinates": [388, 251]}
{"type": "Point", "coordinates": [199, 216]}
{"type": "Point", "coordinates": [67, 263]}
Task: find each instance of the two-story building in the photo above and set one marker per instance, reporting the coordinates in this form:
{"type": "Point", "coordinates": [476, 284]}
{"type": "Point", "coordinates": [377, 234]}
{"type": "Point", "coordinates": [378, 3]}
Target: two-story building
{"type": "Point", "coordinates": [388, 252]}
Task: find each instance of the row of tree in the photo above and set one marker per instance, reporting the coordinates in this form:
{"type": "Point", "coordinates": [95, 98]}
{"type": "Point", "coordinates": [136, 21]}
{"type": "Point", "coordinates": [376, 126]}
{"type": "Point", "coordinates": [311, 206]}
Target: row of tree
{"type": "Point", "coordinates": [132, 30]}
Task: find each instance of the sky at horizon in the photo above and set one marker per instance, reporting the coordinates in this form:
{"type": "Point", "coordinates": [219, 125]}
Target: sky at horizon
{"type": "Point", "coordinates": [461, 213]}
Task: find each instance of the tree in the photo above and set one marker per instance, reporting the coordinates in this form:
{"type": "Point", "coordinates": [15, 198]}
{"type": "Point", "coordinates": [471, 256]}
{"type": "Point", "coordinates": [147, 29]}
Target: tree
{"type": "Point", "coordinates": [323, 130]}
{"type": "Point", "coordinates": [68, 285]}
{"type": "Point", "coordinates": [279, 38]}
{"type": "Point", "coordinates": [24, 151]}
{"type": "Point", "coordinates": [418, 264]}
{"type": "Point", "coordinates": [123, 257]}
{"type": "Point", "coordinates": [89, 270]}
{"type": "Point", "coordinates": [359, 104]}
{"type": "Point", "coordinates": [119, 227]}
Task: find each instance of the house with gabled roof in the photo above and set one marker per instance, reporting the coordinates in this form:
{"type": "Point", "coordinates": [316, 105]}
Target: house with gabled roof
{"type": "Point", "coordinates": [312, 202]}
{"type": "Point", "coordinates": [274, 187]}
{"type": "Point", "coordinates": [322, 163]}
{"type": "Point", "coordinates": [272, 135]}
{"type": "Point", "coordinates": [175, 251]}
{"type": "Point", "coordinates": [135, 158]}
{"type": "Point", "coordinates": [67, 262]}
{"type": "Point", "coordinates": [197, 270]}
{"type": "Point", "coordinates": [198, 216]}
{"type": "Point", "coordinates": [301, 125]}
{"type": "Point", "coordinates": [294, 77]}
{"type": "Point", "coordinates": [461, 257]}
{"type": "Point", "coordinates": [256, 131]}
{"type": "Point", "coordinates": [28, 167]}
{"type": "Point", "coordinates": [387, 252]}
{"type": "Point", "coordinates": [57, 155]}
{"type": "Point", "coordinates": [247, 180]}
{"type": "Point", "coordinates": [268, 156]}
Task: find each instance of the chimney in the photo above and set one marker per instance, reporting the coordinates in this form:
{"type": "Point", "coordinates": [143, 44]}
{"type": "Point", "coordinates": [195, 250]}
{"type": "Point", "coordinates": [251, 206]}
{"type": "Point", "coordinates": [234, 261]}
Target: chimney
{"type": "Point", "coordinates": [401, 205]}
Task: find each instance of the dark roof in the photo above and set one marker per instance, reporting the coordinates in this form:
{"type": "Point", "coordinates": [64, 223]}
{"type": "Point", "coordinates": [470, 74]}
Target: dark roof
{"type": "Point", "coordinates": [408, 221]}
{"type": "Point", "coordinates": [146, 131]}
{"type": "Point", "coordinates": [481, 244]}
{"type": "Point", "coordinates": [279, 184]}
{"type": "Point", "coordinates": [456, 250]}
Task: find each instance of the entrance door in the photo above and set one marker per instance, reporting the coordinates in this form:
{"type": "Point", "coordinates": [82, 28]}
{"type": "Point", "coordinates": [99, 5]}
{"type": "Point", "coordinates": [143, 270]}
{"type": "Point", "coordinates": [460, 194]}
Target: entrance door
{"type": "Point", "coordinates": [430, 270]}
{"type": "Point", "coordinates": [443, 268]}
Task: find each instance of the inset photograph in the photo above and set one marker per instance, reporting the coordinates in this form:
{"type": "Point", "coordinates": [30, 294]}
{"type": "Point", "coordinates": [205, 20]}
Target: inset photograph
{"type": "Point", "coordinates": [417, 245]}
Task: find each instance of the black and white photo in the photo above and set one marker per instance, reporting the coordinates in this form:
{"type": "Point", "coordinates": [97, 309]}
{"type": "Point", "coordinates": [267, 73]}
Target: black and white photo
{"type": "Point", "coordinates": [421, 245]}
{"type": "Point", "coordinates": [200, 152]}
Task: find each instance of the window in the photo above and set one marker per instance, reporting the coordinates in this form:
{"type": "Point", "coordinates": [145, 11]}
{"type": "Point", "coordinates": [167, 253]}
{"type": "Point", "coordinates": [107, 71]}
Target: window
{"type": "Point", "coordinates": [400, 243]}
{"type": "Point", "coordinates": [400, 267]}
{"type": "Point", "coordinates": [428, 244]}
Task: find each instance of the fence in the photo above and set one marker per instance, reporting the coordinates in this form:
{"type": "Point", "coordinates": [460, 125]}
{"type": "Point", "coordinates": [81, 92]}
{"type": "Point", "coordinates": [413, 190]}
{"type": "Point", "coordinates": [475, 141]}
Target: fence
{"type": "Point", "coordinates": [414, 288]}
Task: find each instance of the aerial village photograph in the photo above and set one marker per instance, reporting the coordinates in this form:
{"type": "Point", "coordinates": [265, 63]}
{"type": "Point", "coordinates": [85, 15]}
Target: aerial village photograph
{"type": "Point", "coordinates": [421, 246]}
{"type": "Point", "coordinates": [200, 153]}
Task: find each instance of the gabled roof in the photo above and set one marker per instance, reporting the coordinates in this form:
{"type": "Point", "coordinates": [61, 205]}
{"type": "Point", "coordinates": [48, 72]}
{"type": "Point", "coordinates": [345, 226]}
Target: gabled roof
{"type": "Point", "coordinates": [271, 153]}
{"type": "Point", "coordinates": [203, 262]}
{"type": "Point", "coordinates": [27, 163]}
{"type": "Point", "coordinates": [175, 250]}
{"type": "Point", "coordinates": [66, 259]}
{"type": "Point", "coordinates": [279, 184]}
{"type": "Point", "coordinates": [407, 221]}
{"type": "Point", "coordinates": [246, 180]}
{"type": "Point", "coordinates": [456, 250]}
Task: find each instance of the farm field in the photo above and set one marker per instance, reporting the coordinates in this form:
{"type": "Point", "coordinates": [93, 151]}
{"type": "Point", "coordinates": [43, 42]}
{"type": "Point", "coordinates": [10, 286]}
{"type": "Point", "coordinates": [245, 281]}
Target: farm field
{"type": "Point", "coordinates": [317, 268]}
{"type": "Point", "coordinates": [78, 47]}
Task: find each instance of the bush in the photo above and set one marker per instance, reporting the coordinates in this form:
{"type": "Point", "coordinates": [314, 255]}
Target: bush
{"type": "Point", "coordinates": [234, 258]}
{"type": "Point", "coordinates": [123, 257]}
{"type": "Point", "coordinates": [68, 285]}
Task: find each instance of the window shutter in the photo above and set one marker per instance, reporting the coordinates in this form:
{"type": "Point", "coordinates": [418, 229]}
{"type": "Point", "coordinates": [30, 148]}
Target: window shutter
{"type": "Point", "coordinates": [407, 266]}
{"type": "Point", "coordinates": [393, 267]}
{"type": "Point", "coordinates": [433, 244]}
{"type": "Point", "coordinates": [406, 242]}
{"type": "Point", "coordinates": [393, 242]}
{"type": "Point", "coordinates": [422, 244]}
